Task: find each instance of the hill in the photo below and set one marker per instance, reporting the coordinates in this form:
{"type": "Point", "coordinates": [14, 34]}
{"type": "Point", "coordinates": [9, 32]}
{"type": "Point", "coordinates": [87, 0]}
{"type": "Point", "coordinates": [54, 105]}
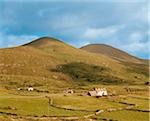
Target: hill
{"type": "Point", "coordinates": [113, 53]}
{"type": "Point", "coordinates": [50, 64]}
{"type": "Point", "coordinates": [43, 41]}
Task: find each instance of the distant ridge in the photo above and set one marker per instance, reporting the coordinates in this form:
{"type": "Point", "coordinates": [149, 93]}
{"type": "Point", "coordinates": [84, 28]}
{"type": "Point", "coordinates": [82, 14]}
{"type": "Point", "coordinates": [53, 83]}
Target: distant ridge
{"type": "Point", "coordinates": [43, 41]}
{"type": "Point", "coordinates": [112, 52]}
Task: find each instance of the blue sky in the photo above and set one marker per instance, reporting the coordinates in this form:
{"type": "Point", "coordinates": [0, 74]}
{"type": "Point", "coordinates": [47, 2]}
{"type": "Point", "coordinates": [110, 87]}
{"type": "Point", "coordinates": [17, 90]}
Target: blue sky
{"type": "Point", "coordinates": [121, 24]}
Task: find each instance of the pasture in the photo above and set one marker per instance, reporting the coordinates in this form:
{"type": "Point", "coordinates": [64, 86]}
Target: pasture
{"type": "Point", "coordinates": [78, 106]}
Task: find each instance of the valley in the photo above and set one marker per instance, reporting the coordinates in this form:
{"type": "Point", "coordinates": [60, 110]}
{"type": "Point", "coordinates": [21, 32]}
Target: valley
{"type": "Point", "coordinates": [51, 66]}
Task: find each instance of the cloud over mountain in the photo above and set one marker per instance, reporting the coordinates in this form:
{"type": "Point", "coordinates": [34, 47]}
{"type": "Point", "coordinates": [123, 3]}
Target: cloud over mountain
{"type": "Point", "coordinates": [122, 24]}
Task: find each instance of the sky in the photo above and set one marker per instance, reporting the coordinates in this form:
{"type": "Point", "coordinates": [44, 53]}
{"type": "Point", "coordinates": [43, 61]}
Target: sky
{"type": "Point", "coordinates": [120, 23]}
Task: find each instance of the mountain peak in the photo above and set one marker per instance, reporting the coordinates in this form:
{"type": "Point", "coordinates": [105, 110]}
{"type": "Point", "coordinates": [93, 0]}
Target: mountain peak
{"type": "Point", "coordinates": [43, 41]}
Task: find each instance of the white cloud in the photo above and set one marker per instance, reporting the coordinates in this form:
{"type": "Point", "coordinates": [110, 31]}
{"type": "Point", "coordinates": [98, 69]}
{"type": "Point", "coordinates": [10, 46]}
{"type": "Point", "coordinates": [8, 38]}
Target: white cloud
{"type": "Point", "coordinates": [135, 37]}
{"type": "Point", "coordinates": [93, 33]}
{"type": "Point", "coordinates": [137, 48]}
{"type": "Point", "coordinates": [79, 44]}
{"type": "Point", "coordinates": [135, 43]}
{"type": "Point", "coordinates": [14, 40]}
{"type": "Point", "coordinates": [83, 43]}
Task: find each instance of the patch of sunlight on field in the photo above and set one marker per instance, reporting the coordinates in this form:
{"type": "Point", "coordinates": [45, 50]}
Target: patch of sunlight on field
{"type": "Point", "coordinates": [34, 107]}
{"type": "Point", "coordinates": [84, 102]}
{"type": "Point", "coordinates": [125, 116]}
{"type": "Point", "coordinates": [5, 118]}
{"type": "Point", "coordinates": [141, 103]}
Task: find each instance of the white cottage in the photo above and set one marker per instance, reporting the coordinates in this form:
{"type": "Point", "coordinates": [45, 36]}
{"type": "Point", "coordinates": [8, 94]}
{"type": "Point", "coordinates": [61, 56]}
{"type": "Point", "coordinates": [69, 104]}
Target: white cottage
{"type": "Point", "coordinates": [98, 92]}
{"type": "Point", "coordinates": [30, 89]}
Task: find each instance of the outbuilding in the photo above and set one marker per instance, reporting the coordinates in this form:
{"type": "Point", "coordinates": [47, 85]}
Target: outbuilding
{"type": "Point", "coordinates": [30, 89]}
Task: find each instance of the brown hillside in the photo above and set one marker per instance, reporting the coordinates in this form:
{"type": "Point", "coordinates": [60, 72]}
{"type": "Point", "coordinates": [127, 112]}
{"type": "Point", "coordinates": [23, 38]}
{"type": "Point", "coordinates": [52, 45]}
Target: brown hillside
{"type": "Point", "coordinates": [113, 53]}
{"type": "Point", "coordinates": [50, 63]}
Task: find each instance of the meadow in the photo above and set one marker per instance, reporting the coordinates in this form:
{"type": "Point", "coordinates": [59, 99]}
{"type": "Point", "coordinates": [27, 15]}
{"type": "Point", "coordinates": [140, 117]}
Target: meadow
{"type": "Point", "coordinates": [78, 106]}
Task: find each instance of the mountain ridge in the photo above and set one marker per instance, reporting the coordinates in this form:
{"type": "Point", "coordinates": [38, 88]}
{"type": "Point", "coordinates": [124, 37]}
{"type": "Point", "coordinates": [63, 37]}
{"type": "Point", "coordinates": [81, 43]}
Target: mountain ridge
{"type": "Point", "coordinates": [113, 52]}
{"type": "Point", "coordinates": [58, 65]}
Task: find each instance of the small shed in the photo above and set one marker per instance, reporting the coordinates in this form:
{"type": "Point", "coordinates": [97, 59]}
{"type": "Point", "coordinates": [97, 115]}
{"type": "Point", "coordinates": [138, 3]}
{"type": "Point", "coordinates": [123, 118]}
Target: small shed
{"type": "Point", "coordinates": [30, 89]}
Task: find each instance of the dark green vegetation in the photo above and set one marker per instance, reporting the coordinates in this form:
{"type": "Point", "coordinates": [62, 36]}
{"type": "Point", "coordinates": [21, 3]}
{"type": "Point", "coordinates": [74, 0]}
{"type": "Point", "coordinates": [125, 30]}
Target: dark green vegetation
{"type": "Point", "coordinates": [51, 66]}
{"type": "Point", "coordinates": [135, 68]}
{"type": "Point", "coordinates": [90, 73]}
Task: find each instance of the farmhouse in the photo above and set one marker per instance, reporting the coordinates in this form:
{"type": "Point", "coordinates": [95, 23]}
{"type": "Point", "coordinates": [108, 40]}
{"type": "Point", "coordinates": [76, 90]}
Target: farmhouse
{"type": "Point", "coordinates": [98, 92]}
{"type": "Point", "coordinates": [30, 89]}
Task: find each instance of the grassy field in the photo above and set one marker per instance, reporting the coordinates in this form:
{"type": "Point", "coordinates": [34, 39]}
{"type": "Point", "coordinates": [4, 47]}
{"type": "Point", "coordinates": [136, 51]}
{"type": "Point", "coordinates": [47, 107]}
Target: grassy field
{"type": "Point", "coordinates": [36, 105]}
{"type": "Point", "coordinates": [85, 102]}
{"type": "Point", "coordinates": [33, 107]}
{"type": "Point", "coordinates": [124, 116]}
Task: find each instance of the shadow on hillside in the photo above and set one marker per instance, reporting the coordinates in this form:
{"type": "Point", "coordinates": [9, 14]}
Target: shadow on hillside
{"type": "Point", "coordinates": [89, 73]}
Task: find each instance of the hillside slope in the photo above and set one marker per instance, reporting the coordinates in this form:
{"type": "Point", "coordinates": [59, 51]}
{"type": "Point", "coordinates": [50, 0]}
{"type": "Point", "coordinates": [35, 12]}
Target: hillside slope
{"type": "Point", "coordinates": [49, 63]}
{"type": "Point", "coordinates": [113, 52]}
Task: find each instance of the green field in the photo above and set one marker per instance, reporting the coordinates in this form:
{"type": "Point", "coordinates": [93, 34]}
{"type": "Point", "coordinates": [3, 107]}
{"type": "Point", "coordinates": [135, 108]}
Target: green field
{"type": "Point", "coordinates": [36, 106]}
{"type": "Point", "coordinates": [124, 116]}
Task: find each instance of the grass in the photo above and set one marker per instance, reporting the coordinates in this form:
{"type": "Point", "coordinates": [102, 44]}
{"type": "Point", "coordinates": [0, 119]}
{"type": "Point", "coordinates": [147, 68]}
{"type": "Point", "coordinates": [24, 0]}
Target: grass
{"type": "Point", "coordinates": [26, 105]}
{"type": "Point", "coordinates": [85, 103]}
{"type": "Point", "coordinates": [34, 107]}
{"type": "Point", "coordinates": [124, 116]}
{"type": "Point", "coordinates": [5, 118]}
{"type": "Point", "coordinates": [142, 104]}
{"type": "Point", "coordinates": [35, 104]}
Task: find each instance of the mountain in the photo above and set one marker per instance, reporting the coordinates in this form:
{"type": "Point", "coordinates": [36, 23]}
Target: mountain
{"type": "Point", "coordinates": [43, 41]}
{"type": "Point", "coordinates": [52, 64]}
{"type": "Point", "coordinates": [113, 53]}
